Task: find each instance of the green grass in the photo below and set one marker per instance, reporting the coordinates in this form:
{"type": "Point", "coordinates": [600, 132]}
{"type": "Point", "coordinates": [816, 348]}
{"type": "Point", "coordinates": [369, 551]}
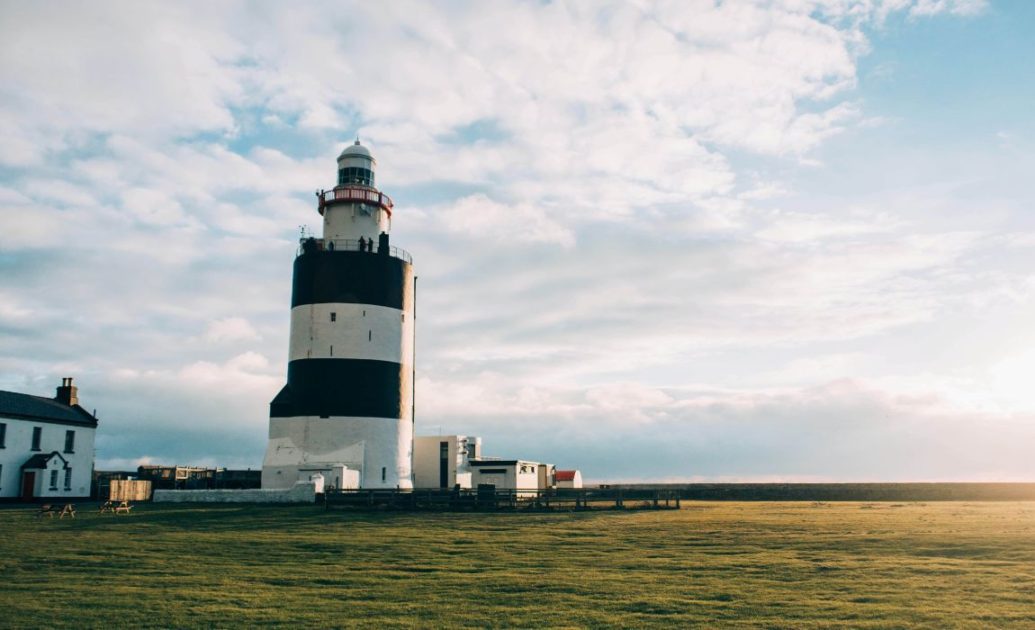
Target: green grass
{"type": "Point", "coordinates": [760, 564]}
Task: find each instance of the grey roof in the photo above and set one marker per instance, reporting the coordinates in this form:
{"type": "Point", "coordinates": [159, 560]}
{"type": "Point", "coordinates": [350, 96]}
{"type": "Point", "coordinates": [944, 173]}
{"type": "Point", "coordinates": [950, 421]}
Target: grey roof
{"type": "Point", "coordinates": [40, 461]}
{"type": "Point", "coordinates": [356, 150]}
{"type": "Point", "coordinates": [40, 409]}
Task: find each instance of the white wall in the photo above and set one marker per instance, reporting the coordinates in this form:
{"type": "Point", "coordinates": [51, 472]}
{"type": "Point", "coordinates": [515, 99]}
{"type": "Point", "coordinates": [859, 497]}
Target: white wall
{"type": "Point", "coordinates": [353, 220]}
{"type": "Point", "coordinates": [426, 458]}
{"type": "Point", "coordinates": [360, 331]}
{"type": "Point", "coordinates": [528, 480]}
{"type": "Point", "coordinates": [511, 479]}
{"type": "Point", "coordinates": [304, 492]}
{"type": "Point", "coordinates": [17, 450]}
{"type": "Point", "coordinates": [337, 476]}
{"type": "Point", "coordinates": [363, 444]}
{"type": "Point", "coordinates": [502, 480]}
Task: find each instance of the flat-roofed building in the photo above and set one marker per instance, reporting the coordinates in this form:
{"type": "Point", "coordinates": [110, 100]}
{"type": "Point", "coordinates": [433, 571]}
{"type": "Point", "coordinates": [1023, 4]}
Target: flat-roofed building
{"type": "Point", "coordinates": [506, 474]}
{"type": "Point", "coordinates": [443, 461]}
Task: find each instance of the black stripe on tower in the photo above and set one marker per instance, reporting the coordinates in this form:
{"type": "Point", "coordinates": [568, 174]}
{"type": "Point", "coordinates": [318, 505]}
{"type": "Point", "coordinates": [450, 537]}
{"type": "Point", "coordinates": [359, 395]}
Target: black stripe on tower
{"type": "Point", "coordinates": [352, 277]}
{"type": "Point", "coordinates": [343, 387]}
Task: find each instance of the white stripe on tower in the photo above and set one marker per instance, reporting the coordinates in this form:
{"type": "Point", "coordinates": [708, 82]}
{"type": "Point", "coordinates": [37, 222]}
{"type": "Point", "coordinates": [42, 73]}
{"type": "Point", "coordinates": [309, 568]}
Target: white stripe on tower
{"type": "Point", "coordinates": [351, 331]}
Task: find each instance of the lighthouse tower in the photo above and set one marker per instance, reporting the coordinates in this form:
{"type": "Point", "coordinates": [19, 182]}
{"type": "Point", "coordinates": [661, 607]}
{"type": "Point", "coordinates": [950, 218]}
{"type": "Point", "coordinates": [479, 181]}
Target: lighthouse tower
{"type": "Point", "coordinates": [346, 411]}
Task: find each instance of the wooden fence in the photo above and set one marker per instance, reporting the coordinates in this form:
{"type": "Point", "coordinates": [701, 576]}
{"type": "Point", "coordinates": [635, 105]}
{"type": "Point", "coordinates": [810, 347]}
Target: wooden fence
{"type": "Point", "coordinates": [129, 490]}
{"type": "Point", "coordinates": [491, 499]}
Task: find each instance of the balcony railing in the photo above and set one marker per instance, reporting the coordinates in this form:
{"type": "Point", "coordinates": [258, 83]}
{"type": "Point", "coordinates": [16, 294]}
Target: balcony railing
{"type": "Point", "coordinates": [358, 194]}
{"type": "Point", "coordinates": [350, 245]}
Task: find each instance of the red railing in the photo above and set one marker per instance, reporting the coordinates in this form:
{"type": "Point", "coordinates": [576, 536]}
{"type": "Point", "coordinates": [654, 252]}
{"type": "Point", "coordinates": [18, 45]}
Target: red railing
{"type": "Point", "coordinates": [358, 194]}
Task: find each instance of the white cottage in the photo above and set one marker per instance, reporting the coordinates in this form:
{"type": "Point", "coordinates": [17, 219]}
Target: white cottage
{"type": "Point", "coordinates": [46, 445]}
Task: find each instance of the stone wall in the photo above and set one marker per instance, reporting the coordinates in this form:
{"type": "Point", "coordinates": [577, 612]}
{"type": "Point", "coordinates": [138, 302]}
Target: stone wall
{"type": "Point", "coordinates": [302, 492]}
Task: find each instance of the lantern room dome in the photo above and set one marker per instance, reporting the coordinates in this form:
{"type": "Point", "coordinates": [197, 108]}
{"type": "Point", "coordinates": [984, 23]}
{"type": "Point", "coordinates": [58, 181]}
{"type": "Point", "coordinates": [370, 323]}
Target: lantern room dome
{"type": "Point", "coordinates": [356, 166]}
{"type": "Point", "coordinates": [356, 150]}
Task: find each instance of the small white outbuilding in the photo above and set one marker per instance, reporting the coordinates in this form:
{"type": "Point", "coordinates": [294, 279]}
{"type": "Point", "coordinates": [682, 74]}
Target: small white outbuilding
{"type": "Point", "coordinates": [568, 479]}
{"type": "Point", "coordinates": [506, 474]}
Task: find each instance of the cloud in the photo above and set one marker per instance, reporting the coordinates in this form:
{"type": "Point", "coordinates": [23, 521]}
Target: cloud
{"type": "Point", "coordinates": [175, 76]}
{"type": "Point", "coordinates": [620, 213]}
{"type": "Point", "coordinates": [231, 329]}
{"type": "Point", "coordinates": [835, 430]}
{"type": "Point", "coordinates": [478, 217]}
{"type": "Point", "coordinates": [955, 7]}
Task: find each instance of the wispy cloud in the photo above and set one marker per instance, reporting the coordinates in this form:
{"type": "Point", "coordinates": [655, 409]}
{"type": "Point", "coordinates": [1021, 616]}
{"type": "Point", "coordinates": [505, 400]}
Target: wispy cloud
{"type": "Point", "coordinates": [621, 216]}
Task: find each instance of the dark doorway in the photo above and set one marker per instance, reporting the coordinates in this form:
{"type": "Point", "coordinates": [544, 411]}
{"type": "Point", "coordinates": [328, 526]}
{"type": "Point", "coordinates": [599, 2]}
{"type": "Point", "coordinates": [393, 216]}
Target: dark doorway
{"type": "Point", "coordinates": [443, 464]}
{"type": "Point", "coordinates": [28, 484]}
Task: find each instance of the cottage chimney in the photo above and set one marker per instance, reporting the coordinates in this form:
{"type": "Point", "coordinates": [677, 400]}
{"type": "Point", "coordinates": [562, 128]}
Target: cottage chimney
{"type": "Point", "coordinates": [67, 393]}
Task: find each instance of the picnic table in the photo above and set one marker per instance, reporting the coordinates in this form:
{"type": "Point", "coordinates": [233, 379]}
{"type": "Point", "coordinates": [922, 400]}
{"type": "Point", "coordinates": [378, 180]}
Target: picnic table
{"type": "Point", "coordinates": [50, 510]}
{"type": "Point", "coordinates": [116, 507]}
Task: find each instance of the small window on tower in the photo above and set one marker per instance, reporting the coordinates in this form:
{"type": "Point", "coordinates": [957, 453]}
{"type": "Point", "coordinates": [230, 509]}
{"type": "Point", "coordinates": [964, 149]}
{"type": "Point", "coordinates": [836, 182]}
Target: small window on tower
{"type": "Point", "coordinates": [384, 472]}
{"type": "Point", "coordinates": [332, 351]}
{"type": "Point", "coordinates": [370, 335]}
{"type": "Point", "coordinates": [334, 317]}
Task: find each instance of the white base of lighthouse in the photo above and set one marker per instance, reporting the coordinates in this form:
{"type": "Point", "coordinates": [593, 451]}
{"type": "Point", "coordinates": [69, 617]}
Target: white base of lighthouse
{"type": "Point", "coordinates": [380, 449]}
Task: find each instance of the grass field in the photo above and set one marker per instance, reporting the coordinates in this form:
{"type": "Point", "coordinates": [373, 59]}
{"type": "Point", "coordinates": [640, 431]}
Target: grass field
{"type": "Point", "coordinates": [769, 564]}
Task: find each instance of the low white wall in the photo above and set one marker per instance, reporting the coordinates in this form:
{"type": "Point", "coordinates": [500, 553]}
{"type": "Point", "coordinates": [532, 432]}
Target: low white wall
{"type": "Point", "coordinates": [301, 493]}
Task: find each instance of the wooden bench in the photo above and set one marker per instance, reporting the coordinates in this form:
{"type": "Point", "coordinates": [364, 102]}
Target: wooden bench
{"type": "Point", "coordinates": [50, 510]}
{"type": "Point", "coordinates": [116, 507]}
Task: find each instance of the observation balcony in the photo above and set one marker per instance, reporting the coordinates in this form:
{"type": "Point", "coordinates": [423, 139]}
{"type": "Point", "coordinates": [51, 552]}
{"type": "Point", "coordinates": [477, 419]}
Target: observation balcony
{"type": "Point", "coordinates": [354, 194]}
{"type": "Point", "coordinates": [309, 244]}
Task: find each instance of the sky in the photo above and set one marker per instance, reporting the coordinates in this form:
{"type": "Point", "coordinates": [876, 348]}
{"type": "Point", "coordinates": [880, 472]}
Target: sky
{"type": "Point", "coordinates": [680, 241]}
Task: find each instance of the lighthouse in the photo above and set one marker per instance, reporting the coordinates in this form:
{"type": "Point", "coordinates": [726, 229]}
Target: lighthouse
{"type": "Point", "coordinates": [346, 411]}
